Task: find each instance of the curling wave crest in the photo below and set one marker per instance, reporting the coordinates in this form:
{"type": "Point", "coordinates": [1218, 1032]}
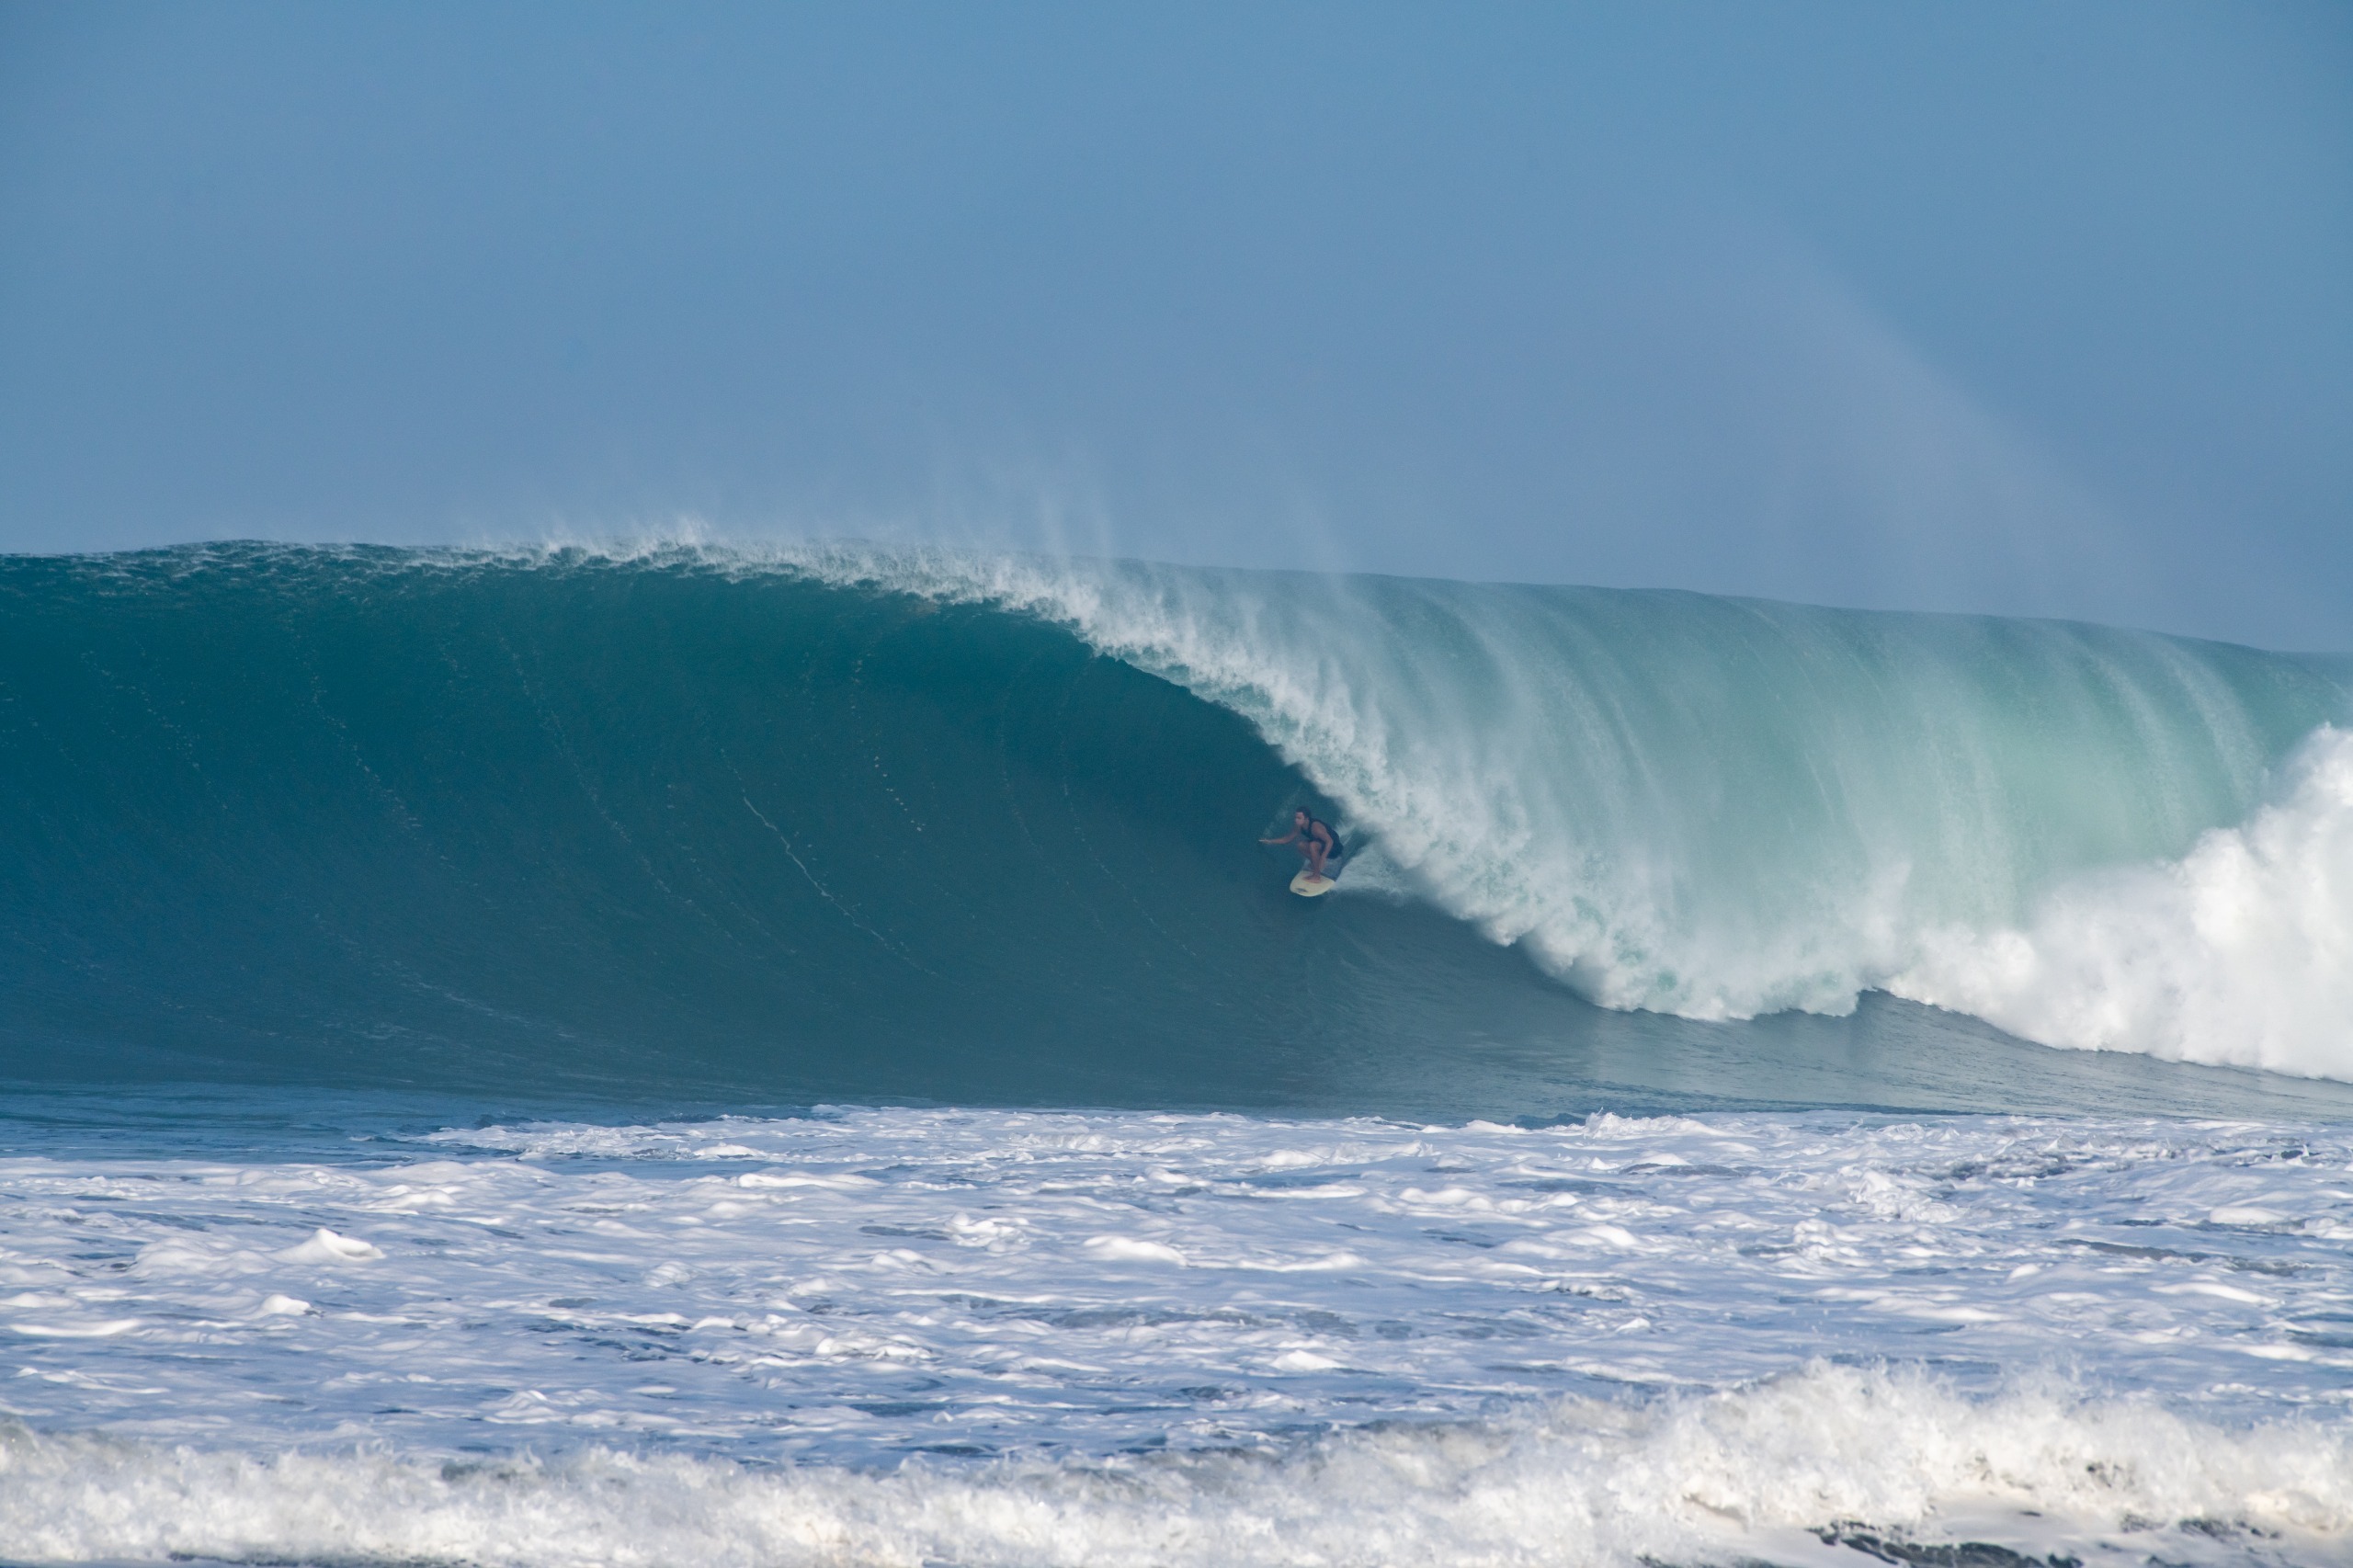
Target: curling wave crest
{"type": "Point", "coordinates": [1718, 808]}
{"type": "Point", "coordinates": [2239, 952]}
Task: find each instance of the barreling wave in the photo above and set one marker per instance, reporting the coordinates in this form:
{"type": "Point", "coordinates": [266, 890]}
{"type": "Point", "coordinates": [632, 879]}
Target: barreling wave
{"type": "Point", "coordinates": [1718, 808]}
{"type": "Point", "coordinates": [852, 822]}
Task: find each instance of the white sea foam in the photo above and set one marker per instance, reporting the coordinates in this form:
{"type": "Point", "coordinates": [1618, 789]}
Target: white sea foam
{"type": "Point", "coordinates": [1721, 808]}
{"type": "Point", "coordinates": [1776, 1469]}
{"type": "Point", "coordinates": [1021, 1336]}
{"type": "Point", "coordinates": [2239, 952]}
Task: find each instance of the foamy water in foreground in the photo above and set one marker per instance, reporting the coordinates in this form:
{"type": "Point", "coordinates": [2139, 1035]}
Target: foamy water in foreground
{"type": "Point", "coordinates": [967, 1336]}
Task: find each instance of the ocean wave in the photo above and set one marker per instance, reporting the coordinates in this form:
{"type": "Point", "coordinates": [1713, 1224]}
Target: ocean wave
{"type": "Point", "coordinates": [1789, 1469]}
{"type": "Point", "coordinates": [1720, 808]}
{"type": "Point", "coordinates": [2239, 952]}
{"type": "Point", "coordinates": [843, 822]}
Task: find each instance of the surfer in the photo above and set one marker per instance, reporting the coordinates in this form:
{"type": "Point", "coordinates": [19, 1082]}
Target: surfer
{"type": "Point", "coordinates": [1315, 841]}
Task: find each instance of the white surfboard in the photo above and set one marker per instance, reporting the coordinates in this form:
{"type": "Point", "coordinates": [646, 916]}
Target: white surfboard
{"type": "Point", "coordinates": [1307, 884]}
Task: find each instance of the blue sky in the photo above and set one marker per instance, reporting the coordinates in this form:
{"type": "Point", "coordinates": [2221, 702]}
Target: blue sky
{"type": "Point", "coordinates": [2030, 308]}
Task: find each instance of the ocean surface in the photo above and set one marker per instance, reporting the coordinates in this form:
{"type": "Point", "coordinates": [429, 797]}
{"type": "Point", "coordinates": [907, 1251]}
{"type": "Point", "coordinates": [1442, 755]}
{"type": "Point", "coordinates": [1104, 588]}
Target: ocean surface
{"type": "Point", "coordinates": [680, 1054]}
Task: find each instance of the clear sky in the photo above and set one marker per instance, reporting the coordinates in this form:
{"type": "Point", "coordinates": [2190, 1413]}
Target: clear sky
{"type": "Point", "coordinates": [2043, 309]}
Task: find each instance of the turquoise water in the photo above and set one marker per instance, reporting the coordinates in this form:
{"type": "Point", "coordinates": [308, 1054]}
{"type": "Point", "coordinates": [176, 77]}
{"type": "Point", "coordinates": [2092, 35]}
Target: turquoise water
{"type": "Point", "coordinates": [706, 828]}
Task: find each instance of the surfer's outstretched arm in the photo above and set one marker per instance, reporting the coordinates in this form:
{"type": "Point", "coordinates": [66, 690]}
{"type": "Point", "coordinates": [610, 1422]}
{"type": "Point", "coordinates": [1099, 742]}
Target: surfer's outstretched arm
{"type": "Point", "coordinates": [1302, 829]}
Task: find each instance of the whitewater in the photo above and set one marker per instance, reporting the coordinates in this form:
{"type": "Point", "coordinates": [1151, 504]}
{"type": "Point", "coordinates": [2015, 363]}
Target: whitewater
{"type": "Point", "coordinates": [906, 1336]}
{"type": "Point", "coordinates": [676, 1053]}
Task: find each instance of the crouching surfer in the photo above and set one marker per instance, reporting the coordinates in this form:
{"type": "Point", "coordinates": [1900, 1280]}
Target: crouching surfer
{"type": "Point", "coordinates": [1317, 843]}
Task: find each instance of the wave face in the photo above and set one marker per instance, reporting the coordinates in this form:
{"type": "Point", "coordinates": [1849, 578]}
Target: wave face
{"type": "Point", "coordinates": [847, 824]}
